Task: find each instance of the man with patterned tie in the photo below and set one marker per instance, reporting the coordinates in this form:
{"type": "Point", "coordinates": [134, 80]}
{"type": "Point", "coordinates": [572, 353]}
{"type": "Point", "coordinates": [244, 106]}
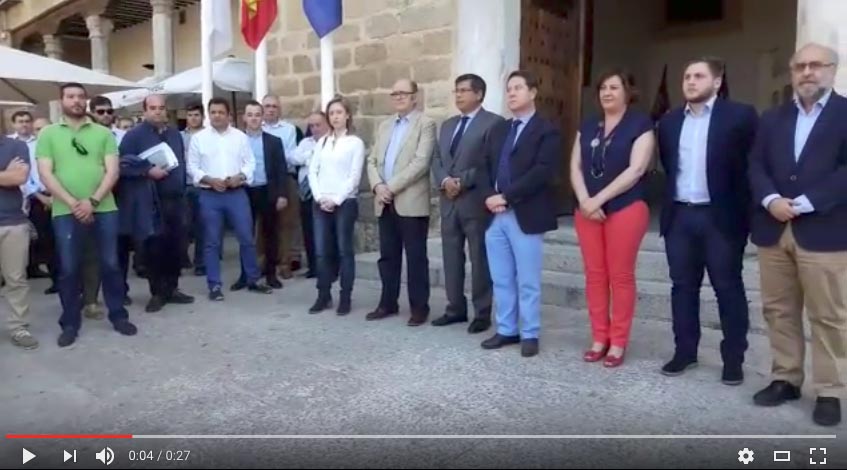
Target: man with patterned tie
{"type": "Point", "coordinates": [458, 162]}
{"type": "Point", "coordinates": [522, 160]}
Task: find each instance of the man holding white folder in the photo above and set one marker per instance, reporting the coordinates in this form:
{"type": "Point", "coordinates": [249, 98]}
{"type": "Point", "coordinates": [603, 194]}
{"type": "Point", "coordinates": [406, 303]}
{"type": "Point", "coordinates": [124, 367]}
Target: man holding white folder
{"type": "Point", "coordinates": [151, 198]}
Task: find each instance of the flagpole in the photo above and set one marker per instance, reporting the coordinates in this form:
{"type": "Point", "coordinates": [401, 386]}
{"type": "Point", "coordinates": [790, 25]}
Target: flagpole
{"type": "Point", "coordinates": [206, 28]}
{"type": "Point", "coordinates": [260, 61]}
{"type": "Point", "coordinates": [327, 70]}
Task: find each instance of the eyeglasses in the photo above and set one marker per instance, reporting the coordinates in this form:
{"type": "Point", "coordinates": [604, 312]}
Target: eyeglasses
{"type": "Point", "coordinates": [814, 66]}
{"type": "Point", "coordinates": [101, 112]}
{"type": "Point", "coordinates": [78, 147]}
{"type": "Point", "coordinates": [401, 94]}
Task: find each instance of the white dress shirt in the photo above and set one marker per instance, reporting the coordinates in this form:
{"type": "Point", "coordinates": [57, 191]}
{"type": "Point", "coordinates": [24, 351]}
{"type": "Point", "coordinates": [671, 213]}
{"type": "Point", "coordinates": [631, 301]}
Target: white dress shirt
{"type": "Point", "coordinates": [336, 168]}
{"type": "Point", "coordinates": [692, 184]}
{"type": "Point", "coordinates": [301, 157]}
{"type": "Point", "coordinates": [220, 155]}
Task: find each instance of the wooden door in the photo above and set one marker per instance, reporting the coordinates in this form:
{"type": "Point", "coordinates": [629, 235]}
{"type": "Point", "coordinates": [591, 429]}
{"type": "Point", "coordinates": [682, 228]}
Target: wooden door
{"type": "Point", "coordinates": [552, 34]}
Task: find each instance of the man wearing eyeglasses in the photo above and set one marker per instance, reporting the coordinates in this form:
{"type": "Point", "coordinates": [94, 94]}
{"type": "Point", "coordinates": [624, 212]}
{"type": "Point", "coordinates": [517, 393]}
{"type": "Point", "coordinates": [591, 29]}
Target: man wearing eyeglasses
{"type": "Point", "coordinates": [398, 170]}
{"type": "Point", "coordinates": [798, 173]}
{"type": "Point", "coordinates": [78, 163]}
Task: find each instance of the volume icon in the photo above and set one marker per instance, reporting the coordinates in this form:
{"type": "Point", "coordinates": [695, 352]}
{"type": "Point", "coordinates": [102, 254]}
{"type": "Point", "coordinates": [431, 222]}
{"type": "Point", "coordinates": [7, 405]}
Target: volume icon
{"type": "Point", "coordinates": [69, 456]}
{"type": "Point", "coordinates": [105, 456]}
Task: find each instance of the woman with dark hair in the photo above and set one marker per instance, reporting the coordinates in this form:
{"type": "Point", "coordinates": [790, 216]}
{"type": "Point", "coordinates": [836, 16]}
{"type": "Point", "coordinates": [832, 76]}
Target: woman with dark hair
{"type": "Point", "coordinates": [335, 171]}
{"type": "Point", "coordinates": [610, 156]}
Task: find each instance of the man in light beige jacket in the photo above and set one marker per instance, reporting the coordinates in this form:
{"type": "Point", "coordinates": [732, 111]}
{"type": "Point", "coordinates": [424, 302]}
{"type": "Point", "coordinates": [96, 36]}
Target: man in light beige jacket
{"type": "Point", "coordinates": [398, 171]}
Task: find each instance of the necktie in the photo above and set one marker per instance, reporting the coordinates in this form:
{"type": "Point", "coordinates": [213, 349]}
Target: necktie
{"type": "Point", "coordinates": [459, 134]}
{"type": "Point", "coordinates": [305, 190]}
{"type": "Point", "coordinates": [503, 170]}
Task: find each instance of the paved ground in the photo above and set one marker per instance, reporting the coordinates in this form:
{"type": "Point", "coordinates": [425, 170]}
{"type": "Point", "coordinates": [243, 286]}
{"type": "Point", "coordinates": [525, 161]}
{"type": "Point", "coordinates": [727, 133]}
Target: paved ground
{"type": "Point", "coordinates": [261, 365]}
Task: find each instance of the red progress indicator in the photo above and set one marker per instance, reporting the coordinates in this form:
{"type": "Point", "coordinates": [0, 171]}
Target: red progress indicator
{"type": "Point", "coordinates": [68, 436]}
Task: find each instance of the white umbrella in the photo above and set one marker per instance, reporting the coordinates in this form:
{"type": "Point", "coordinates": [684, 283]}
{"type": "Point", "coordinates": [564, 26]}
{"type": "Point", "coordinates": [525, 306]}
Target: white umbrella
{"type": "Point", "coordinates": [35, 78]}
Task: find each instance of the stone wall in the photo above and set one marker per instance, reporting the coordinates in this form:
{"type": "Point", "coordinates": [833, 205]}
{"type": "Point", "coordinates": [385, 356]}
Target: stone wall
{"type": "Point", "coordinates": [379, 42]}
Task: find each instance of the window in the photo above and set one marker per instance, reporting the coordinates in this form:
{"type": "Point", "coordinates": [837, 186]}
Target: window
{"type": "Point", "coordinates": [688, 11]}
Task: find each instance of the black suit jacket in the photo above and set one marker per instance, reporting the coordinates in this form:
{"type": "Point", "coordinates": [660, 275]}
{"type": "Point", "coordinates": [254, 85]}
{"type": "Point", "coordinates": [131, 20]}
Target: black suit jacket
{"type": "Point", "coordinates": [820, 174]}
{"type": "Point", "coordinates": [275, 167]}
{"type": "Point", "coordinates": [732, 130]}
{"type": "Point", "coordinates": [534, 164]}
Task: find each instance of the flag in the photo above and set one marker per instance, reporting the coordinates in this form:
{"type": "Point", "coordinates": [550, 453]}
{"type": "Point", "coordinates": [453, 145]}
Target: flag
{"type": "Point", "coordinates": [323, 15]}
{"type": "Point", "coordinates": [662, 103]}
{"type": "Point", "coordinates": [723, 91]}
{"type": "Point", "coordinates": [218, 15]}
{"type": "Point", "coordinates": [257, 17]}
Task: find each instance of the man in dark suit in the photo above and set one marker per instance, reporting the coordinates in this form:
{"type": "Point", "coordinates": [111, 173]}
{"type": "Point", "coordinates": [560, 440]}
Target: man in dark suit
{"type": "Point", "coordinates": [267, 192]}
{"type": "Point", "coordinates": [705, 215]}
{"type": "Point", "coordinates": [798, 172]}
{"type": "Point", "coordinates": [458, 162]}
{"type": "Point", "coordinates": [522, 160]}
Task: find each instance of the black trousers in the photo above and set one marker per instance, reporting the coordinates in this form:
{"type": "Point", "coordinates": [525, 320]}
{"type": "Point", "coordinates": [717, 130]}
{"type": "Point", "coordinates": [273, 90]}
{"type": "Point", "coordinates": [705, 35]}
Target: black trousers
{"type": "Point", "coordinates": [396, 234]}
{"type": "Point", "coordinates": [264, 210]}
{"type": "Point", "coordinates": [43, 249]}
{"type": "Point", "coordinates": [163, 252]}
{"type": "Point", "coordinates": [694, 244]}
{"type": "Point", "coordinates": [307, 223]}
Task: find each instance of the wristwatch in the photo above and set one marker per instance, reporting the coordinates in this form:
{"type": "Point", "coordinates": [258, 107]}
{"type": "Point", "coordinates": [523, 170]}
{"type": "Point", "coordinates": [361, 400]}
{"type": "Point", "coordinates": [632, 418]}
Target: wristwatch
{"type": "Point", "coordinates": [94, 202]}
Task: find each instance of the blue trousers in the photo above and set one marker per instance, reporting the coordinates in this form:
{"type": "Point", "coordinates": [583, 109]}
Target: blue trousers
{"type": "Point", "coordinates": [515, 260]}
{"type": "Point", "coordinates": [232, 207]}
{"type": "Point", "coordinates": [70, 234]}
{"type": "Point", "coordinates": [334, 246]}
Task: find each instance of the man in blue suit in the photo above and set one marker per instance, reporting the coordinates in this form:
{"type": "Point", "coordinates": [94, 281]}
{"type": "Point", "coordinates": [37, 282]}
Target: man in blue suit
{"type": "Point", "coordinates": [798, 172]}
{"type": "Point", "coordinates": [522, 160]}
{"type": "Point", "coordinates": [704, 147]}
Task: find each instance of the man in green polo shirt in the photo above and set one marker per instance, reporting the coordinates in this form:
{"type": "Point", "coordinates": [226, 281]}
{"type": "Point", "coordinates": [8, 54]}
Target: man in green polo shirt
{"type": "Point", "coordinates": [78, 163]}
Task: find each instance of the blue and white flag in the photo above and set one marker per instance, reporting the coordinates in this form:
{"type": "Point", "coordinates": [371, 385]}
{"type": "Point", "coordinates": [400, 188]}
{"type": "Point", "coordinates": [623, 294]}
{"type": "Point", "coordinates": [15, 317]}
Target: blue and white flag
{"type": "Point", "coordinates": [324, 15]}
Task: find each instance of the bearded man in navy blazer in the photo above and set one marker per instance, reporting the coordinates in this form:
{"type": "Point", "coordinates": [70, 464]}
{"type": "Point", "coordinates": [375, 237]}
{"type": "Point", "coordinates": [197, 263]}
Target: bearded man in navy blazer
{"type": "Point", "coordinates": [522, 160]}
{"type": "Point", "coordinates": [704, 147]}
{"type": "Point", "coordinates": [798, 172]}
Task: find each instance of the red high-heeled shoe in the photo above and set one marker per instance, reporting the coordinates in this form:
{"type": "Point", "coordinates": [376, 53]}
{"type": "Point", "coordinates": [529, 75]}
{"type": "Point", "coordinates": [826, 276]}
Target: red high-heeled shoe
{"type": "Point", "coordinates": [594, 356]}
{"type": "Point", "coordinates": [614, 361]}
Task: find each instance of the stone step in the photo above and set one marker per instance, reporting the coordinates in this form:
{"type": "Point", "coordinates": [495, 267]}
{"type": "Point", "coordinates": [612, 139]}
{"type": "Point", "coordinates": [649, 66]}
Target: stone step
{"type": "Point", "coordinates": [563, 289]}
{"type": "Point", "coordinates": [652, 265]}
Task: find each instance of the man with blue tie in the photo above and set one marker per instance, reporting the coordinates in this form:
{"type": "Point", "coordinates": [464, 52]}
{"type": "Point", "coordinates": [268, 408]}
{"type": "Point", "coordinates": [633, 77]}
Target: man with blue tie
{"type": "Point", "coordinates": [798, 173]}
{"type": "Point", "coordinates": [522, 160]}
{"type": "Point", "coordinates": [705, 216]}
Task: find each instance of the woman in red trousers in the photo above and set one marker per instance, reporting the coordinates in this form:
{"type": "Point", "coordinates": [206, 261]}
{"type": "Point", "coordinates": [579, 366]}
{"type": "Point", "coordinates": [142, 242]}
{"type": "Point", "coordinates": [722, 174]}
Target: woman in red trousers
{"type": "Point", "coordinates": [610, 156]}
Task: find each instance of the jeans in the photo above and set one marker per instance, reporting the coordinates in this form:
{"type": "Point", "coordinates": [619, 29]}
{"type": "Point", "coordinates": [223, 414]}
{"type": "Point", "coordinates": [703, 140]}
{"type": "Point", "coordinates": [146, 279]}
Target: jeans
{"type": "Point", "coordinates": [70, 234]}
{"type": "Point", "coordinates": [194, 226]}
{"type": "Point", "coordinates": [231, 207]}
{"type": "Point", "coordinates": [334, 234]}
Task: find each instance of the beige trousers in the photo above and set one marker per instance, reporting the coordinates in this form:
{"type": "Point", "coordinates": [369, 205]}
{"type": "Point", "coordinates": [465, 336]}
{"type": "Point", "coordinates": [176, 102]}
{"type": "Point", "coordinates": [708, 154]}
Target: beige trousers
{"type": "Point", "coordinates": [791, 279]}
{"type": "Point", "coordinates": [14, 257]}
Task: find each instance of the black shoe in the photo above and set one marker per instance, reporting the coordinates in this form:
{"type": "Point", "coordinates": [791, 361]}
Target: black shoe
{"type": "Point", "coordinates": [777, 393]}
{"type": "Point", "coordinates": [127, 301]}
{"type": "Point", "coordinates": [274, 283]}
{"type": "Point", "coordinates": [478, 325]}
{"type": "Point", "coordinates": [260, 288]}
{"type": "Point", "coordinates": [187, 264]}
{"type": "Point", "coordinates": [51, 290]}
{"type": "Point", "coordinates": [239, 285]}
{"type": "Point", "coordinates": [142, 273]}
{"type": "Point", "coordinates": [497, 341]}
{"type": "Point", "coordinates": [67, 338]}
{"type": "Point", "coordinates": [529, 347]}
{"type": "Point", "coordinates": [324, 302]}
{"type": "Point", "coordinates": [678, 365]}
{"type": "Point", "coordinates": [216, 295]}
{"type": "Point", "coordinates": [344, 306]}
{"type": "Point", "coordinates": [155, 304]}
{"type": "Point", "coordinates": [181, 298]}
{"type": "Point", "coordinates": [827, 411]}
{"type": "Point", "coordinates": [449, 319]}
{"type": "Point", "coordinates": [733, 374]}
{"type": "Point", "coordinates": [311, 274]}
{"type": "Point", "coordinates": [199, 271]}
{"type": "Point", "coordinates": [125, 328]}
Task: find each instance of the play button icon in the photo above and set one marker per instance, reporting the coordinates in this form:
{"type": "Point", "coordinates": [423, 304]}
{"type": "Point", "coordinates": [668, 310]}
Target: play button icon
{"type": "Point", "coordinates": [27, 456]}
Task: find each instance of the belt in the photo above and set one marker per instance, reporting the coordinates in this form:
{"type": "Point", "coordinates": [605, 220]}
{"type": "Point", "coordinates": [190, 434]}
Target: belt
{"type": "Point", "coordinates": [692, 204]}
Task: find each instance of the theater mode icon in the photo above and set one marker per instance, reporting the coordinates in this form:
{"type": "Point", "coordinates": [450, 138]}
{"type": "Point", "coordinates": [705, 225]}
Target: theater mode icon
{"type": "Point", "coordinates": [782, 456]}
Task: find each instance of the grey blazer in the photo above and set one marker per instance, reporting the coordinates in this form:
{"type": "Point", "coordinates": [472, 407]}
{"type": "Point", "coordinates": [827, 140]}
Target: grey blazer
{"type": "Point", "coordinates": [465, 165]}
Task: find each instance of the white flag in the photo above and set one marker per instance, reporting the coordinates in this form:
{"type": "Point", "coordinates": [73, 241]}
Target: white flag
{"type": "Point", "coordinates": [218, 14]}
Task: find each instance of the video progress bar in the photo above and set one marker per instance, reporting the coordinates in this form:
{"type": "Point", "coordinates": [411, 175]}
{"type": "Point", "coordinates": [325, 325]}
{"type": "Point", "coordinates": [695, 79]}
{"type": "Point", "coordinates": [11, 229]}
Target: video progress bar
{"type": "Point", "coordinates": [425, 436]}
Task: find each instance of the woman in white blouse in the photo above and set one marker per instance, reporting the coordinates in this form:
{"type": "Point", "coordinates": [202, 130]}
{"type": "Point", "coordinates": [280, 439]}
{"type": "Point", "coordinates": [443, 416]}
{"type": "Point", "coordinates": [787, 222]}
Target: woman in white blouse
{"type": "Point", "coordinates": [334, 175]}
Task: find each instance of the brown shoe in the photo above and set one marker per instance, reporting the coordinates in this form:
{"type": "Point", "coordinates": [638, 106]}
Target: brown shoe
{"type": "Point", "coordinates": [418, 318]}
{"type": "Point", "coordinates": [380, 313]}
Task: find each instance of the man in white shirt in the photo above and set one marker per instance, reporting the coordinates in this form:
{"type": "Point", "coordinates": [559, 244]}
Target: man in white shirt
{"type": "Point", "coordinates": [289, 217]}
{"type": "Point", "coordinates": [221, 163]}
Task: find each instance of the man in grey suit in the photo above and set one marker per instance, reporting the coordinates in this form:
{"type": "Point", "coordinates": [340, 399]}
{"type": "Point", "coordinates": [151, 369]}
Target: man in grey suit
{"type": "Point", "coordinates": [458, 159]}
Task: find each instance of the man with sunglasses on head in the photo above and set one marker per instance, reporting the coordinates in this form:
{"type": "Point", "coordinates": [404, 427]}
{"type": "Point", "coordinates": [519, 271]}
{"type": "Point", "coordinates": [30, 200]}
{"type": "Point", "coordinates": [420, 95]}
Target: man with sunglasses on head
{"type": "Point", "coordinates": [78, 163]}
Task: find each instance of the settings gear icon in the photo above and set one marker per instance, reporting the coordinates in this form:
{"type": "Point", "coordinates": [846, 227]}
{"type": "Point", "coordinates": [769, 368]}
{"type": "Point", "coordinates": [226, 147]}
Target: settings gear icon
{"type": "Point", "coordinates": [745, 456]}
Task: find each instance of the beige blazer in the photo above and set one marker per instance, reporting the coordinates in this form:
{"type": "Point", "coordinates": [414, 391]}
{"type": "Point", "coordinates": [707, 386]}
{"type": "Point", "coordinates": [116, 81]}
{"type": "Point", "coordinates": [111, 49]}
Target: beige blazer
{"type": "Point", "coordinates": [410, 183]}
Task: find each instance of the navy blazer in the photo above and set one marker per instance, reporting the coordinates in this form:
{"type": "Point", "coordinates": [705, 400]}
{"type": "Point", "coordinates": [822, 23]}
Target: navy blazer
{"type": "Point", "coordinates": [534, 165]}
{"type": "Point", "coordinates": [820, 174]}
{"type": "Point", "coordinates": [732, 130]}
{"type": "Point", "coordinates": [276, 169]}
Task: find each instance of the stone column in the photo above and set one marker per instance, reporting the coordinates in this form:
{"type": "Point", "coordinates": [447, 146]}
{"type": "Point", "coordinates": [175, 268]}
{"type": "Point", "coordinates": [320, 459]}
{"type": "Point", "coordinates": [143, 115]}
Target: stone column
{"type": "Point", "coordinates": [823, 21]}
{"type": "Point", "coordinates": [6, 38]}
{"type": "Point", "coordinates": [488, 44]}
{"type": "Point", "coordinates": [163, 37]}
{"type": "Point", "coordinates": [99, 30]}
{"type": "Point", "coordinates": [53, 50]}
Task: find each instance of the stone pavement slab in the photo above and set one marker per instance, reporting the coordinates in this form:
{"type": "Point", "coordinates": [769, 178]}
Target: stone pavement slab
{"type": "Point", "coordinates": [261, 365]}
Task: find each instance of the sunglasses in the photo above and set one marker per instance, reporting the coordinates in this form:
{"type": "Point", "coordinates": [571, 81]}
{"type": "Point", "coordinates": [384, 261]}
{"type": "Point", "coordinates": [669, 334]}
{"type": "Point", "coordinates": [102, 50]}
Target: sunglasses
{"type": "Point", "coordinates": [101, 112]}
{"type": "Point", "coordinates": [78, 147]}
